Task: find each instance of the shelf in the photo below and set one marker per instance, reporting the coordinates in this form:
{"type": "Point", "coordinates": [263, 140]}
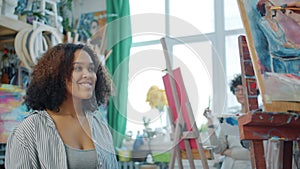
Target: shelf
{"type": "Point", "coordinates": [265, 125]}
{"type": "Point", "coordinates": [10, 26]}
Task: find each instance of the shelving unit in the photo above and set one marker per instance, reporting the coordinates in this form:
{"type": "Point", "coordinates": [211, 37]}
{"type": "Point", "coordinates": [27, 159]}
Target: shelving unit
{"type": "Point", "coordinates": [9, 26]}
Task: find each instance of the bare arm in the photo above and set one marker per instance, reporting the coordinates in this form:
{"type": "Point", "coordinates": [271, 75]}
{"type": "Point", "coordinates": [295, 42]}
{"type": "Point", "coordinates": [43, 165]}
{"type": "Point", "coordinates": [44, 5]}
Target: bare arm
{"type": "Point", "coordinates": [220, 141]}
{"type": "Point", "coordinates": [237, 153]}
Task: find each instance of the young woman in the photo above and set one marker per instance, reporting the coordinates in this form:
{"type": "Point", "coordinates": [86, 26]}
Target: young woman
{"type": "Point", "coordinates": [64, 129]}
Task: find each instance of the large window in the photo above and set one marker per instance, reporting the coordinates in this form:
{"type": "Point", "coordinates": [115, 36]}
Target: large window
{"type": "Point", "coordinates": [196, 70]}
{"type": "Point", "coordinates": [194, 12]}
{"type": "Point", "coordinates": [146, 69]}
{"type": "Point", "coordinates": [143, 11]}
{"type": "Point", "coordinates": [232, 58]}
{"type": "Point", "coordinates": [232, 18]}
{"type": "Point", "coordinates": [204, 36]}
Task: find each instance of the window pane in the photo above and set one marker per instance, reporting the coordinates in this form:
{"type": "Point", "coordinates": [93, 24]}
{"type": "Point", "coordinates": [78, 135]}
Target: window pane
{"type": "Point", "coordinates": [145, 70]}
{"type": "Point", "coordinates": [199, 14]}
{"type": "Point", "coordinates": [194, 60]}
{"type": "Point", "coordinates": [145, 36]}
{"type": "Point", "coordinates": [147, 19]}
{"type": "Point", "coordinates": [142, 7]}
{"type": "Point", "coordinates": [232, 15]}
{"type": "Point", "coordinates": [233, 66]}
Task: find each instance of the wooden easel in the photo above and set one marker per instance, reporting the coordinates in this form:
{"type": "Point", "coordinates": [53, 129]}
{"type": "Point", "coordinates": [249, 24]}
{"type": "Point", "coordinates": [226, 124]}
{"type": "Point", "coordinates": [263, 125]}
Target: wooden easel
{"type": "Point", "coordinates": [257, 125]}
{"type": "Point", "coordinates": [186, 138]}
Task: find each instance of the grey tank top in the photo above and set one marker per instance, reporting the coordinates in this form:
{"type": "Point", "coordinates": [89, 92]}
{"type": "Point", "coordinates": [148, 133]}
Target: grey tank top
{"type": "Point", "coordinates": [81, 159]}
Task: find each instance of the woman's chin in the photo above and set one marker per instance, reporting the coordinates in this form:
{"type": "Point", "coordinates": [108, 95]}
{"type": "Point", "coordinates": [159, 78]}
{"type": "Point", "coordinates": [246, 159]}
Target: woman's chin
{"type": "Point", "coordinates": [87, 97]}
{"type": "Point", "coordinates": [83, 96]}
{"type": "Point", "coordinates": [241, 101]}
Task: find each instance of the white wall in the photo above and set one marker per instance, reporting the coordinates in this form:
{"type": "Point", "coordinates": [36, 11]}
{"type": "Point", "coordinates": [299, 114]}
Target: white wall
{"type": "Point", "coordinates": [86, 6]}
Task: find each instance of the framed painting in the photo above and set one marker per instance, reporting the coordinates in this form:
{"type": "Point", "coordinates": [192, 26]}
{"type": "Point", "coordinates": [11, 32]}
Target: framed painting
{"type": "Point", "coordinates": [90, 23]}
{"type": "Point", "coordinates": [273, 35]}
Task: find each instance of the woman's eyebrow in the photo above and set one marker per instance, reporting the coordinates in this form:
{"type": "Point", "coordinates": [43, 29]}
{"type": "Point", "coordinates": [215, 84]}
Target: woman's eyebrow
{"type": "Point", "coordinates": [82, 63]}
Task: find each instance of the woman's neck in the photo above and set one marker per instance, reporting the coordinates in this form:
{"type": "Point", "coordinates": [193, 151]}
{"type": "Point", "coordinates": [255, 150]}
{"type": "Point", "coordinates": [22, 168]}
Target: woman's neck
{"type": "Point", "coordinates": [243, 110]}
{"type": "Point", "coordinates": [72, 107]}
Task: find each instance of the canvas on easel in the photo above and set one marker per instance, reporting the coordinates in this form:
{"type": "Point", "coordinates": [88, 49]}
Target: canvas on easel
{"type": "Point", "coordinates": [190, 146]}
{"type": "Point", "coordinates": [182, 96]}
{"type": "Point", "coordinates": [186, 138]}
{"type": "Point", "coordinates": [272, 33]}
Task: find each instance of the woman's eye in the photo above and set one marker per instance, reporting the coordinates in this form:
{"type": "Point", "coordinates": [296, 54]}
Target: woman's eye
{"type": "Point", "coordinates": [91, 69]}
{"type": "Point", "coordinates": [77, 68]}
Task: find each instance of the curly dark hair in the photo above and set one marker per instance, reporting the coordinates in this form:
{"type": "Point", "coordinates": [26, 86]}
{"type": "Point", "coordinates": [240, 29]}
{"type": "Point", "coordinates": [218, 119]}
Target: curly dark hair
{"type": "Point", "coordinates": [47, 87]}
{"type": "Point", "coordinates": [237, 80]}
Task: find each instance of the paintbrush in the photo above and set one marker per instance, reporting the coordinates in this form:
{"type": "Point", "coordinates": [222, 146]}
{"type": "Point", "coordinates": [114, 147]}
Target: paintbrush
{"type": "Point", "coordinates": [285, 8]}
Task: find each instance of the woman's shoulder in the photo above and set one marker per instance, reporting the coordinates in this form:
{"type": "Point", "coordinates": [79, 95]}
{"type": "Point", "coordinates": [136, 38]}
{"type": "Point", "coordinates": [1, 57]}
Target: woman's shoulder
{"type": "Point", "coordinates": [100, 116]}
{"type": "Point", "coordinates": [34, 117]}
{"type": "Point", "coordinates": [28, 125]}
{"type": "Point", "coordinates": [100, 123]}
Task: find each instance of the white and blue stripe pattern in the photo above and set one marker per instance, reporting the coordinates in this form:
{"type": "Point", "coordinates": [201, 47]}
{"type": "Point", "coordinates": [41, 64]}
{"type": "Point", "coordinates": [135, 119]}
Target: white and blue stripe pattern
{"type": "Point", "coordinates": [36, 144]}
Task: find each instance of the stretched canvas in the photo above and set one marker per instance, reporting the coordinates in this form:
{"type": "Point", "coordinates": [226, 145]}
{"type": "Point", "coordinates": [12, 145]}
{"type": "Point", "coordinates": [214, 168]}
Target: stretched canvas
{"type": "Point", "coordinates": [90, 23]}
{"type": "Point", "coordinates": [183, 99]}
{"type": "Point", "coordinates": [273, 36]}
{"type": "Point", "coordinates": [12, 110]}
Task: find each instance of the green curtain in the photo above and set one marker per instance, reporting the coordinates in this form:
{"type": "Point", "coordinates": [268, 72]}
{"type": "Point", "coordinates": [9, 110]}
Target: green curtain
{"type": "Point", "coordinates": [119, 40]}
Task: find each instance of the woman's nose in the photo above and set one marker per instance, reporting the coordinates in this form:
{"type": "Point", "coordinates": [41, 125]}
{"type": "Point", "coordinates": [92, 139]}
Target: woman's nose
{"type": "Point", "coordinates": [86, 73]}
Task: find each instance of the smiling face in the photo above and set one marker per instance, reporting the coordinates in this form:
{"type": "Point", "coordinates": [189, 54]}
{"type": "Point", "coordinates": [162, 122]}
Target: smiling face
{"type": "Point", "coordinates": [83, 78]}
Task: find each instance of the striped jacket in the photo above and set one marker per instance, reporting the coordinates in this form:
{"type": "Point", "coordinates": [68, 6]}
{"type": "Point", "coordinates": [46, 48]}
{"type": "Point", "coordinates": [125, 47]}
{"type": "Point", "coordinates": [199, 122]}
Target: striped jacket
{"type": "Point", "coordinates": [36, 144]}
